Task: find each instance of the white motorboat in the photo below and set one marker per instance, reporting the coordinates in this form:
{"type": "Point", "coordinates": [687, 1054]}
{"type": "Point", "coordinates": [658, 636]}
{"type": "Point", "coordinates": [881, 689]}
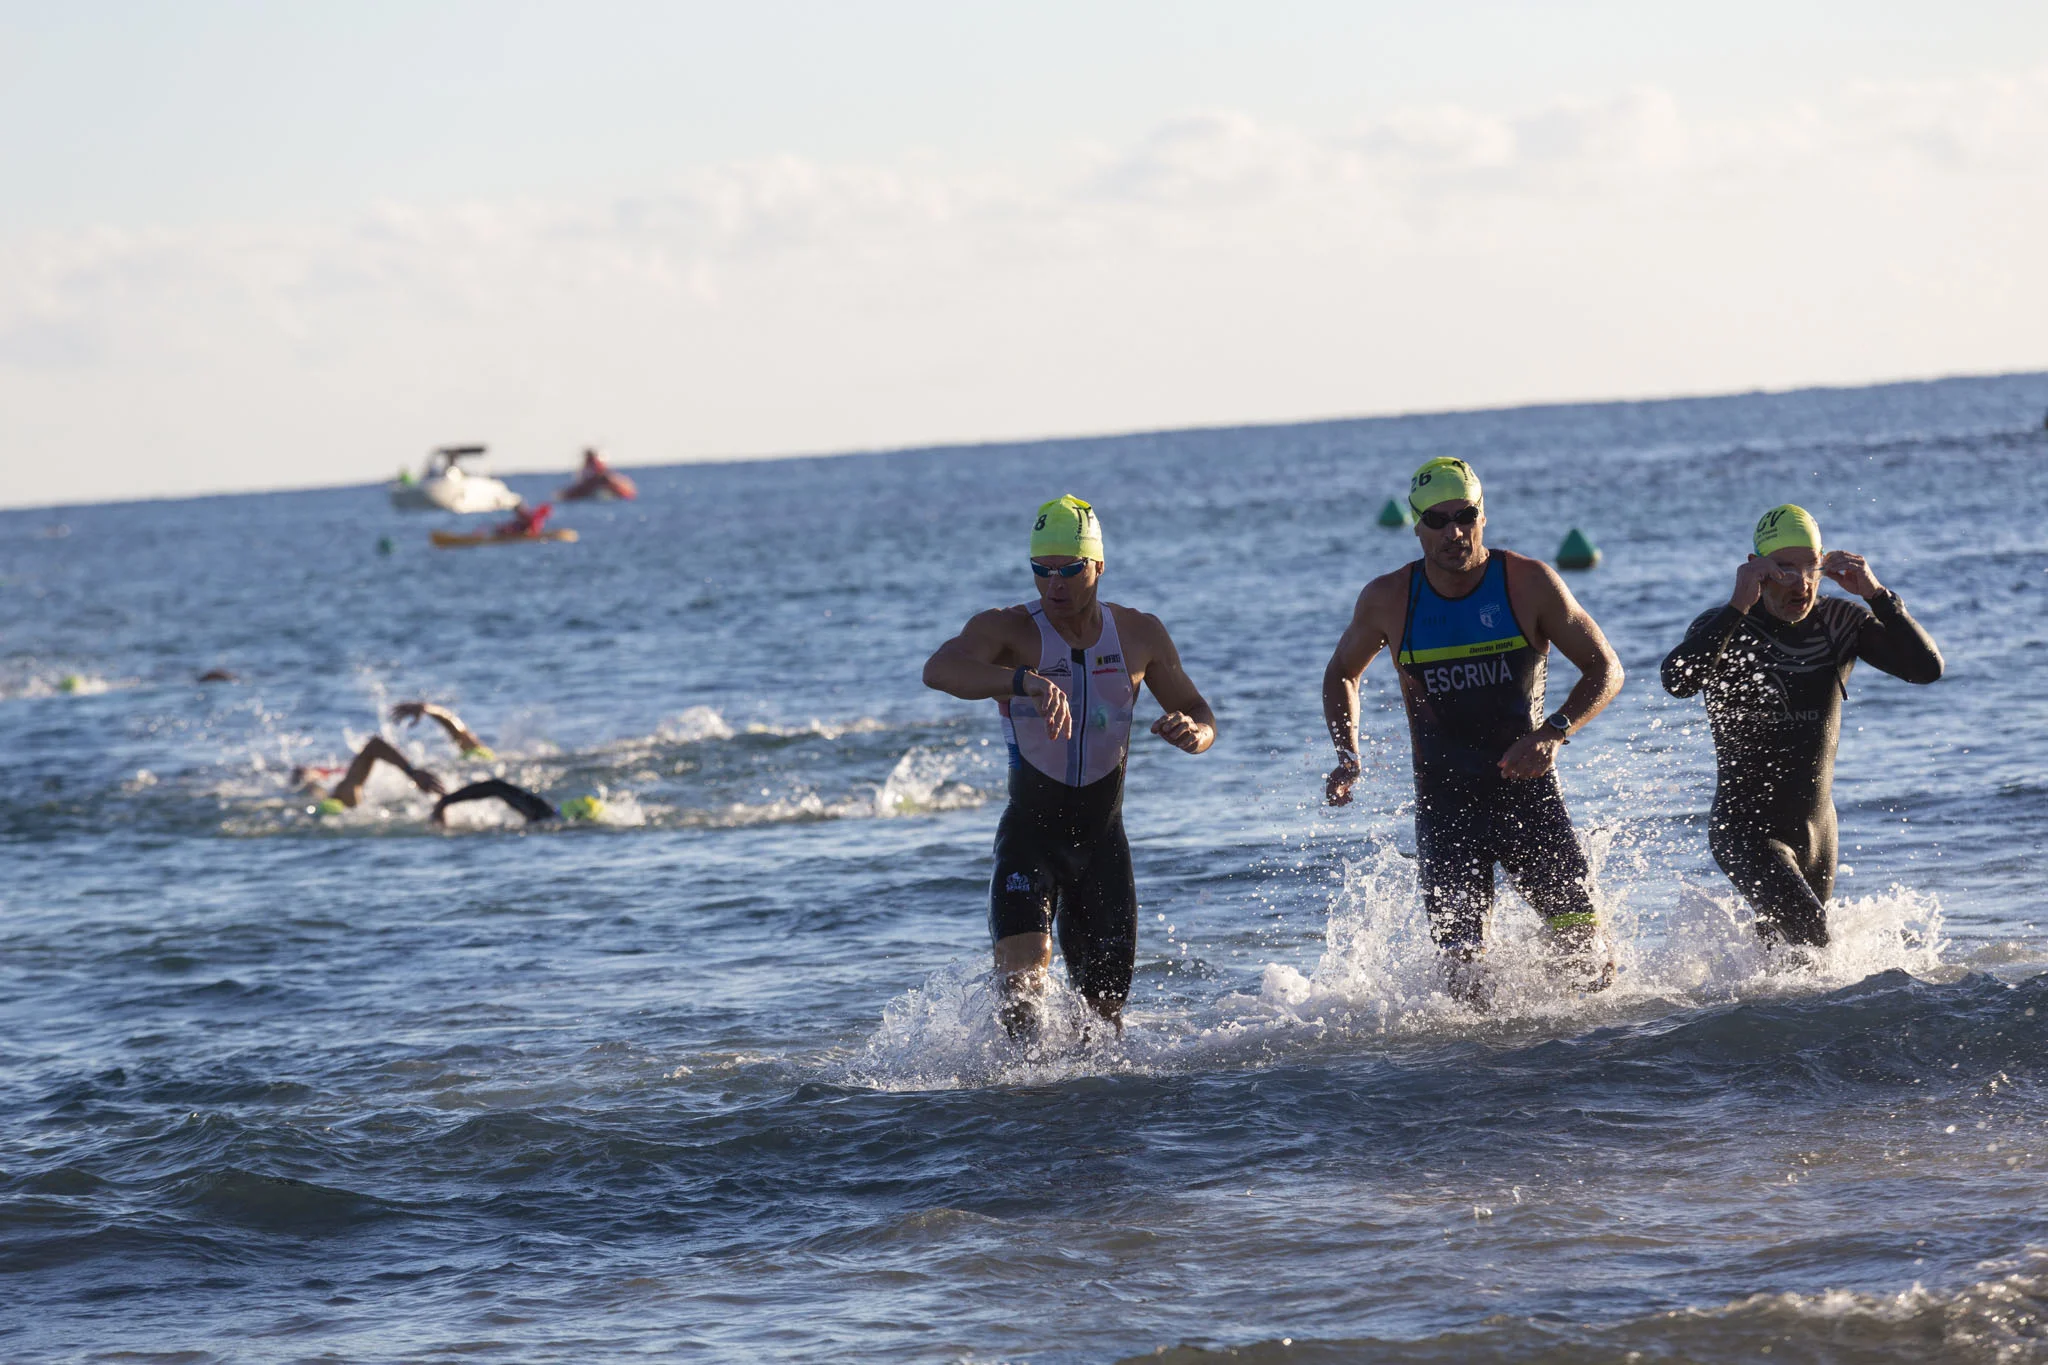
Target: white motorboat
{"type": "Point", "coordinates": [445, 486]}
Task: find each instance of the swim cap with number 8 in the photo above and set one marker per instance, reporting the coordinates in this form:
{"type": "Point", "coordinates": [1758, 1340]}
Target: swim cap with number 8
{"type": "Point", "coordinates": [1067, 526]}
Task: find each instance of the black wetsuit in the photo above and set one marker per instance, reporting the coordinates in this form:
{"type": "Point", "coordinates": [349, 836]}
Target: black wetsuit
{"type": "Point", "coordinates": [1062, 861]}
{"type": "Point", "coordinates": [1473, 685]}
{"type": "Point", "coordinates": [1774, 695]}
{"type": "Point", "coordinates": [496, 788]}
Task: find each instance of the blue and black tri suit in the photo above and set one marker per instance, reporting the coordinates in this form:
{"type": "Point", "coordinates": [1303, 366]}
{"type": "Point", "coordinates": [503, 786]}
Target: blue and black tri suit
{"type": "Point", "coordinates": [1774, 696]}
{"type": "Point", "coordinates": [1473, 685]}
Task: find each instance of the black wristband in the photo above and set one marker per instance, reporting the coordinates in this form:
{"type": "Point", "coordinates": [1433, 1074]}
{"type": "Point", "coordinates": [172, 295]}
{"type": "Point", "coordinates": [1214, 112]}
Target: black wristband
{"type": "Point", "coordinates": [1560, 725]}
{"type": "Point", "coordinates": [1017, 682]}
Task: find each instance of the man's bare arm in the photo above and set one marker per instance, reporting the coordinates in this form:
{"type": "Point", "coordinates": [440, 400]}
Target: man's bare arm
{"type": "Point", "coordinates": [349, 791]}
{"type": "Point", "coordinates": [1188, 724]}
{"type": "Point", "coordinates": [1357, 647]}
{"type": "Point", "coordinates": [459, 734]}
{"type": "Point", "coordinates": [1576, 635]}
{"type": "Point", "coordinates": [980, 664]}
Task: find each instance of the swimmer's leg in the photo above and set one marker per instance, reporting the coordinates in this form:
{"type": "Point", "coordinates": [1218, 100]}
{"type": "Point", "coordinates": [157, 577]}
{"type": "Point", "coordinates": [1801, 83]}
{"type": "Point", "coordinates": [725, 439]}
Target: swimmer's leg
{"type": "Point", "coordinates": [1766, 870]}
{"type": "Point", "coordinates": [1098, 926]}
{"type": "Point", "coordinates": [1020, 913]}
{"type": "Point", "coordinates": [1455, 867]}
{"type": "Point", "coordinates": [1540, 850]}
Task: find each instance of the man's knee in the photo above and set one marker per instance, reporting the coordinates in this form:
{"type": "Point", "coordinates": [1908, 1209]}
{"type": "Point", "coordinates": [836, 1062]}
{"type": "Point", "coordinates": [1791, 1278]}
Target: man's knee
{"type": "Point", "coordinates": [1021, 954]}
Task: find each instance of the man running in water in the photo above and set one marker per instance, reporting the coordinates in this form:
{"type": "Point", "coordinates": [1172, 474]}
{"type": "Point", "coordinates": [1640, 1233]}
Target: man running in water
{"type": "Point", "coordinates": [1064, 671]}
{"type": "Point", "coordinates": [1774, 663]}
{"type": "Point", "coordinates": [1471, 630]}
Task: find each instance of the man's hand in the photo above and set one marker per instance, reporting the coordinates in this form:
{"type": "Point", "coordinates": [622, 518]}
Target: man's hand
{"type": "Point", "coordinates": [1182, 731]}
{"type": "Point", "coordinates": [426, 781]}
{"type": "Point", "coordinates": [1052, 703]}
{"type": "Point", "coordinates": [1337, 787]}
{"type": "Point", "coordinates": [1852, 573]}
{"type": "Point", "coordinates": [409, 711]}
{"type": "Point", "coordinates": [1530, 756]}
{"type": "Point", "coordinates": [1749, 582]}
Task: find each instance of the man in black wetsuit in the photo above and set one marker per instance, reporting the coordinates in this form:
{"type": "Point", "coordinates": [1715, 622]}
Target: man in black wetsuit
{"type": "Point", "coordinates": [1774, 663]}
{"type": "Point", "coordinates": [1471, 630]}
{"type": "Point", "coordinates": [1064, 671]}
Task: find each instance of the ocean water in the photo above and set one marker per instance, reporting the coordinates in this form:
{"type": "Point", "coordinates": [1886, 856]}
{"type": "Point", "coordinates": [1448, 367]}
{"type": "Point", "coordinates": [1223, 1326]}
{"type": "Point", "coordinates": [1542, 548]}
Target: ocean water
{"type": "Point", "coordinates": [717, 1078]}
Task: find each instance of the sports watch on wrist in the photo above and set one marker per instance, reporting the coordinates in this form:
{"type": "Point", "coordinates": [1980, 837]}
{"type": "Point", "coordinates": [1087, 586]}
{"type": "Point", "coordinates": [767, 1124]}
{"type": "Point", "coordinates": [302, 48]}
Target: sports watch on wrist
{"type": "Point", "coordinates": [1560, 726]}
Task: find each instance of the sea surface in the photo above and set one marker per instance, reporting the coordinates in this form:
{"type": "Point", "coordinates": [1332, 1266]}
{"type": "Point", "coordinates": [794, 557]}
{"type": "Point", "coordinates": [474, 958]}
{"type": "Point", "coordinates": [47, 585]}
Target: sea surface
{"type": "Point", "coordinates": [716, 1079]}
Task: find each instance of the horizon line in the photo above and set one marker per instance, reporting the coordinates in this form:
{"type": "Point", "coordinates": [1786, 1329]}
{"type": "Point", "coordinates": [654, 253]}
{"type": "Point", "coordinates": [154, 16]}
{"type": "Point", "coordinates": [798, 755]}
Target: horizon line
{"type": "Point", "coordinates": [985, 443]}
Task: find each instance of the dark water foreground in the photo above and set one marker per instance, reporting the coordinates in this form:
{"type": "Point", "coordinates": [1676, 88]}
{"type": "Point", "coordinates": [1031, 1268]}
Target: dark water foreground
{"type": "Point", "coordinates": [716, 1079]}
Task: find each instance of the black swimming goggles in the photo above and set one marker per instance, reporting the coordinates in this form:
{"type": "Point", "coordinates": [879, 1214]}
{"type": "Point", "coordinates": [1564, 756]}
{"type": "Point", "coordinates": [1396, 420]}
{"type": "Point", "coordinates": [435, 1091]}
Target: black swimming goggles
{"type": "Point", "coordinates": [1464, 516]}
{"type": "Point", "coordinates": [1072, 570]}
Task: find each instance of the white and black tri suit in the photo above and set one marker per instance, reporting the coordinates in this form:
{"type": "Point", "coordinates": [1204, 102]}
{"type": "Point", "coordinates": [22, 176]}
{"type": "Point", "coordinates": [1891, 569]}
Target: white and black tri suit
{"type": "Point", "coordinates": [1473, 685]}
{"type": "Point", "coordinates": [1062, 862]}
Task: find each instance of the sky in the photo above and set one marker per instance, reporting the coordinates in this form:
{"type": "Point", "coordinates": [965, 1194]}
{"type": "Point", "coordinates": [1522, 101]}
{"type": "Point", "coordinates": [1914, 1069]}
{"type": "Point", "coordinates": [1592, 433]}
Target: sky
{"type": "Point", "coordinates": [256, 246]}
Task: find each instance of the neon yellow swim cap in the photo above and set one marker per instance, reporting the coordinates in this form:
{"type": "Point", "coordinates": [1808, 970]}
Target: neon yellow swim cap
{"type": "Point", "coordinates": [329, 806]}
{"type": "Point", "coordinates": [1442, 480]}
{"type": "Point", "coordinates": [582, 808]}
{"type": "Point", "coordinates": [1067, 526]}
{"type": "Point", "coordinates": [480, 754]}
{"type": "Point", "coordinates": [1787, 527]}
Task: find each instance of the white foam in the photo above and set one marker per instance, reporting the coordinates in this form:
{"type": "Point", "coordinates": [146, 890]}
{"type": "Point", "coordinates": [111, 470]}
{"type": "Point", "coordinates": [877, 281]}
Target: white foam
{"type": "Point", "coordinates": [922, 781]}
{"type": "Point", "coordinates": [694, 726]}
{"type": "Point", "coordinates": [1378, 980]}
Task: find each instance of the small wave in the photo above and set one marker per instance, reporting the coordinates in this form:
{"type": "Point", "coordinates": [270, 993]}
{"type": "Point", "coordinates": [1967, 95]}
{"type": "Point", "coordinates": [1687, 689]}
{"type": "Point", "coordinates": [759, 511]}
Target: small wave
{"type": "Point", "coordinates": [701, 724]}
{"type": "Point", "coordinates": [279, 1203]}
{"type": "Point", "coordinates": [1998, 1319]}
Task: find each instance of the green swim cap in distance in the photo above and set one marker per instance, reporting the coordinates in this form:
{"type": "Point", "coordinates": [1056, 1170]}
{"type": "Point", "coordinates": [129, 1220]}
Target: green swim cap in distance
{"type": "Point", "coordinates": [329, 806]}
{"type": "Point", "coordinates": [1787, 527]}
{"type": "Point", "coordinates": [1067, 526]}
{"type": "Point", "coordinates": [1442, 480]}
{"type": "Point", "coordinates": [582, 808]}
{"type": "Point", "coordinates": [482, 753]}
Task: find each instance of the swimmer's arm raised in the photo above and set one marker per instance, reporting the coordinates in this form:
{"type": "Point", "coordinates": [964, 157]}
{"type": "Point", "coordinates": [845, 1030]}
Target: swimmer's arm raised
{"type": "Point", "coordinates": [981, 663]}
{"type": "Point", "coordinates": [377, 749]}
{"type": "Point", "coordinates": [1189, 724]}
{"type": "Point", "coordinates": [1893, 641]}
{"type": "Point", "coordinates": [1687, 668]}
{"type": "Point", "coordinates": [463, 737]}
{"type": "Point", "coordinates": [518, 798]}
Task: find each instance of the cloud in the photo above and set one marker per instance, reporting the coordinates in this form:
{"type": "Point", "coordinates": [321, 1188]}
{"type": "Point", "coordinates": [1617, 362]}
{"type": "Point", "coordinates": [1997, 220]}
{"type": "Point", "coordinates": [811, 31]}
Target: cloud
{"type": "Point", "coordinates": [1222, 267]}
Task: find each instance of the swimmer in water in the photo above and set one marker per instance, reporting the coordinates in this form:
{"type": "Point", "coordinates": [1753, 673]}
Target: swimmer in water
{"type": "Point", "coordinates": [460, 735]}
{"type": "Point", "coordinates": [1064, 672]}
{"type": "Point", "coordinates": [535, 808]}
{"type": "Point", "coordinates": [347, 794]}
{"type": "Point", "coordinates": [1471, 629]}
{"type": "Point", "coordinates": [1774, 664]}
